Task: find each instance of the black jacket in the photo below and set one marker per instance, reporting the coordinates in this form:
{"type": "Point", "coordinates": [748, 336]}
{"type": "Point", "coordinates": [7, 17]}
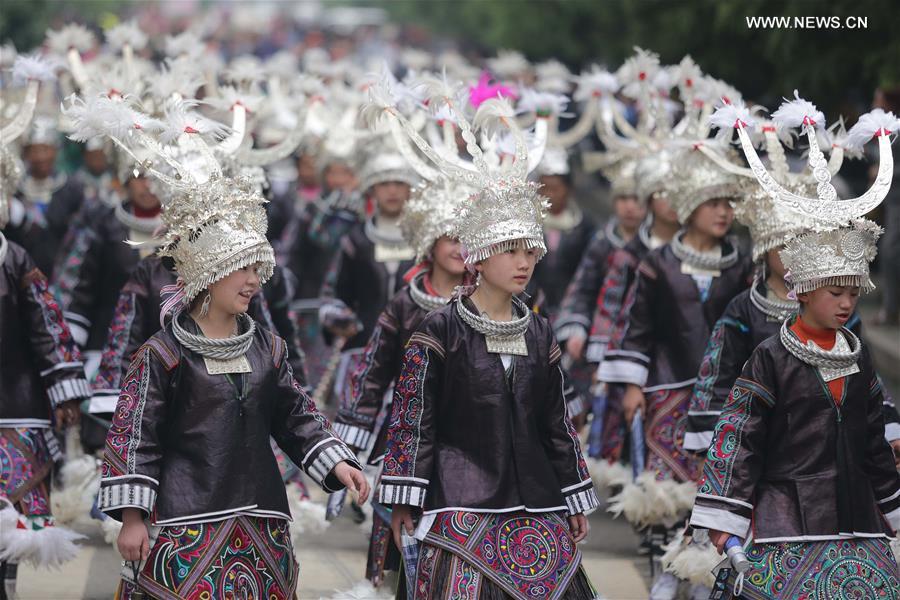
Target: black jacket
{"type": "Point", "coordinates": [186, 446]}
{"type": "Point", "coordinates": [554, 274]}
{"type": "Point", "coordinates": [668, 323]}
{"type": "Point", "coordinates": [136, 319]}
{"type": "Point", "coordinates": [797, 465]}
{"type": "Point", "coordinates": [463, 436]}
{"type": "Point", "coordinates": [40, 366]}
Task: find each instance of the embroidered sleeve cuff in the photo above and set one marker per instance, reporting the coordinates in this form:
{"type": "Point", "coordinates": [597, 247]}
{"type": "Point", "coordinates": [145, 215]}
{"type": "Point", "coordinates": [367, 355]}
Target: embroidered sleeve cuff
{"type": "Point", "coordinates": [596, 350]}
{"type": "Point", "coordinates": [581, 498]}
{"type": "Point", "coordinates": [619, 370]}
{"type": "Point", "coordinates": [892, 431]}
{"type": "Point", "coordinates": [353, 436]}
{"type": "Point", "coordinates": [402, 490]}
{"type": "Point", "coordinates": [322, 459]}
{"type": "Point", "coordinates": [893, 518]}
{"type": "Point", "coordinates": [575, 406]}
{"type": "Point", "coordinates": [68, 389]}
{"type": "Point", "coordinates": [127, 492]}
{"type": "Point", "coordinates": [697, 441]}
{"type": "Point", "coordinates": [571, 330]}
{"type": "Point", "coordinates": [719, 519]}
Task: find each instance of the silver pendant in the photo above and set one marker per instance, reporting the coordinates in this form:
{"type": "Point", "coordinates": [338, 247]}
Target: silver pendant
{"type": "Point", "coordinates": [215, 366]}
{"type": "Point", "coordinates": [516, 345]}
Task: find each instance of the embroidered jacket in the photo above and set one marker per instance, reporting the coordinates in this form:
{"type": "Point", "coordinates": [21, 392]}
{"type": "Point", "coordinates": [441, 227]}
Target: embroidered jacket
{"type": "Point", "coordinates": [186, 446]}
{"type": "Point", "coordinates": [362, 284]}
{"type": "Point", "coordinates": [40, 366]}
{"type": "Point", "coordinates": [356, 419]}
{"type": "Point", "coordinates": [554, 274]}
{"type": "Point", "coordinates": [668, 323]}
{"type": "Point", "coordinates": [577, 306]}
{"type": "Point", "coordinates": [793, 464]}
{"type": "Point", "coordinates": [463, 436]}
{"type": "Point", "coordinates": [311, 240]}
{"type": "Point", "coordinates": [136, 319]}
{"type": "Point", "coordinates": [741, 329]}
{"type": "Point", "coordinates": [45, 221]}
{"type": "Point", "coordinates": [103, 270]}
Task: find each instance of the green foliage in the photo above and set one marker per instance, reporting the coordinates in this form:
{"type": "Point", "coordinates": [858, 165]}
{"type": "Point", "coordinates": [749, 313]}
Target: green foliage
{"type": "Point", "coordinates": [835, 67]}
{"type": "Point", "coordinates": [25, 22]}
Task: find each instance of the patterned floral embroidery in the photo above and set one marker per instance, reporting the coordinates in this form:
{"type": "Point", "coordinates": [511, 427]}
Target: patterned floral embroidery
{"type": "Point", "coordinates": [25, 464]}
{"type": "Point", "coordinates": [360, 373]}
{"type": "Point", "coordinates": [428, 556]}
{"type": "Point", "coordinates": [65, 273]}
{"type": "Point", "coordinates": [702, 396]}
{"type": "Point", "coordinates": [528, 555]}
{"type": "Point", "coordinates": [53, 317]}
{"type": "Point", "coordinates": [110, 374]}
{"type": "Point", "coordinates": [834, 569]}
{"type": "Point", "coordinates": [727, 437]}
{"type": "Point", "coordinates": [667, 421]}
{"type": "Point", "coordinates": [406, 413]}
{"type": "Point", "coordinates": [612, 294]}
{"type": "Point", "coordinates": [243, 557]}
{"type": "Point", "coordinates": [379, 545]}
{"type": "Point", "coordinates": [465, 581]}
{"type": "Point", "coordinates": [124, 434]}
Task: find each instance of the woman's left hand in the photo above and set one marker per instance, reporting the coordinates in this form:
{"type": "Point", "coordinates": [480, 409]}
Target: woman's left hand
{"type": "Point", "coordinates": [67, 414]}
{"type": "Point", "coordinates": [579, 527]}
{"type": "Point", "coordinates": [895, 446]}
{"type": "Point", "coordinates": [353, 479]}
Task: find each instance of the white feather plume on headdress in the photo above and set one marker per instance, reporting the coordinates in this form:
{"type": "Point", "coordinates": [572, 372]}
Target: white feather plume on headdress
{"type": "Point", "coordinates": [731, 115]}
{"type": "Point", "coordinates": [544, 103]}
{"type": "Point", "coordinates": [79, 37]}
{"type": "Point", "coordinates": [596, 82]}
{"type": "Point", "coordinates": [869, 125]}
{"type": "Point", "coordinates": [494, 116]}
{"type": "Point", "coordinates": [179, 119]}
{"type": "Point", "coordinates": [127, 33]}
{"type": "Point", "coordinates": [797, 112]}
{"type": "Point", "coordinates": [34, 67]}
{"type": "Point", "coordinates": [229, 96]}
{"type": "Point", "coordinates": [186, 43]}
{"type": "Point", "coordinates": [176, 76]}
{"type": "Point", "coordinates": [102, 116]}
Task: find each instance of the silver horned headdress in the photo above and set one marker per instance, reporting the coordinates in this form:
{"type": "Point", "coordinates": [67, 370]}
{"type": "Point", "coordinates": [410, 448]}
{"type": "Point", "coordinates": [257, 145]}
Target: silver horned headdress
{"type": "Point", "coordinates": [838, 243]}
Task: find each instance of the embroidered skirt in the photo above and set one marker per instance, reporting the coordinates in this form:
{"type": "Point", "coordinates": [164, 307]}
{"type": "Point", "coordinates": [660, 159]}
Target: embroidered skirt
{"type": "Point", "coordinates": [497, 556]}
{"type": "Point", "coordinates": [606, 439]}
{"type": "Point", "coordinates": [827, 570]}
{"type": "Point", "coordinates": [383, 554]}
{"type": "Point", "coordinates": [664, 436]}
{"type": "Point", "coordinates": [241, 558]}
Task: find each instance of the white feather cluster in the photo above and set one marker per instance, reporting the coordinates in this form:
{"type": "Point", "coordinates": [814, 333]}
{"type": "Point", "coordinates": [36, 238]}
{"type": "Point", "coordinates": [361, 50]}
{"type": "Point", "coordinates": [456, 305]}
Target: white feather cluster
{"type": "Point", "coordinates": [692, 561]}
{"type": "Point", "coordinates": [75, 36]}
{"type": "Point", "coordinates": [244, 69]}
{"type": "Point", "coordinates": [596, 82]}
{"type": "Point", "coordinates": [102, 116]}
{"type": "Point", "coordinates": [869, 125]}
{"type": "Point", "coordinates": [186, 43]}
{"type": "Point", "coordinates": [229, 96]}
{"type": "Point", "coordinates": [543, 103]}
{"type": "Point", "coordinates": [180, 118]}
{"type": "Point", "coordinates": [648, 501]}
{"type": "Point", "coordinates": [688, 74]}
{"type": "Point", "coordinates": [727, 116]}
{"type": "Point", "coordinates": [363, 590]}
{"type": "Point", "coordinates": [640, 68]}
{"type": "Point", "coordinates": [47, 547]}
{"type": "Point", "coordinates": [508, 63]}
{"type": "Point", "coordinates": [176, 76]}
{"type": "Point", "coordinates": [380, 101]}
{"type": "Point", "coordinates": [283, 64]}
{"type": "Point", "coordinates": [126, 34]}
{"type": "Point", "coordinates": [792, 113]}
{"type": "Point", "coordinates": [308, 517]}
{"type": "Point", "coordinates": [34, 67]}
{"type": "Point", "coordinates": [494, 116]}
{"type": "Point", "coordinates": [607, 475]}
{"type": "Point", "coordinates": [439, 91]}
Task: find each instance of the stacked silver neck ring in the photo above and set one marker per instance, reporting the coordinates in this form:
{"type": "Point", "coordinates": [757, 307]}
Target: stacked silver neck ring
{"type": "Point", "coordinates": [497, 329]}
{"type": "Point", "coordinates": [218, 349]}
{"type": "Point", "coordinates": [816, 357]}
{"type": "Point", "coordinates": [702, 260]}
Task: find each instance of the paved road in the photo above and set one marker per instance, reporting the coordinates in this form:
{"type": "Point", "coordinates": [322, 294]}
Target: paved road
{"type": "Point", "coordinates": [333, 562]}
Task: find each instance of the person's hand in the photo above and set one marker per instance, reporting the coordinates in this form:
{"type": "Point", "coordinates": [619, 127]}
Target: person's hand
{"type": "Point", "coordinates": [134, 540]}
{"type": "Point", "coordinates": [67, 414]}
{"type": "Point", "coordinates": [633, 401]}
{"type": "Point", "coordinates": [895, 446]}
{"type": "Point", "coordinates": [718, 539]}
{"type": "Point", "coordinates": [579, 527]}
{"type": "Point", "coordinates": [401, 521]}
{"type": "Point", "coordinates": [575, 346]}
{"type": "Point", "coordinates": [353, 479]}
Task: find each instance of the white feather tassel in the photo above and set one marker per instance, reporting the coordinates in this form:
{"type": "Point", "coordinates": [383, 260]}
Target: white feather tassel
{"type": "Point", "coordinates": [72, 36]}
{"type": "Point", "coordinates": [103, 116]}
{"type": "Point", "coordinates": [691, 561]}
{"type": "Point", "coordinates": [869, 125]}
{"type": "Point", "coordinates": [127, 33]}
{"type": "Point", "coordinates": [593, 83]}
{"type": "Point", "coordinates": [179, 119]}
{"type": "Point", "coordinates": [47, 547]}
{"type": "Point", "coordinates": [494, 115]}
{"type": "Point", "coordinates": [34, 67]}
{"type": "Point", "coordinates": [308, 516]}
{"type": "Point", "coordinates": [731, 115]}
{"type": "Point", "coordinates": [110, 529]}
{"type": "Point", "coordinates": [797, 112]}
{"type": "Point", "coordinates": [542, 103]}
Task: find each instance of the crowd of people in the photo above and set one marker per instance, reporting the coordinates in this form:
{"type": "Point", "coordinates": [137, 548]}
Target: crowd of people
{"type": "Point", "coordinates": [229, 270]}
